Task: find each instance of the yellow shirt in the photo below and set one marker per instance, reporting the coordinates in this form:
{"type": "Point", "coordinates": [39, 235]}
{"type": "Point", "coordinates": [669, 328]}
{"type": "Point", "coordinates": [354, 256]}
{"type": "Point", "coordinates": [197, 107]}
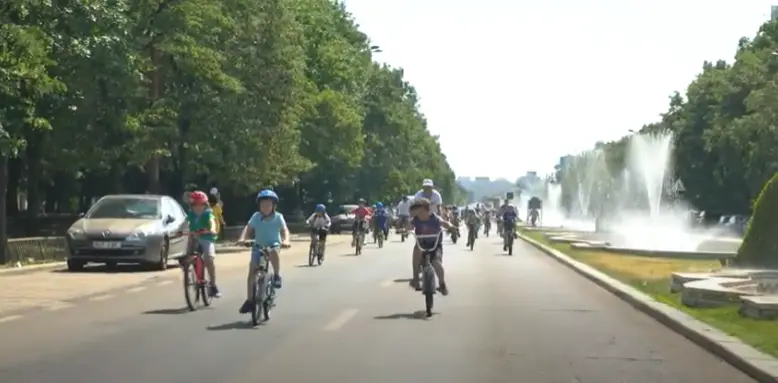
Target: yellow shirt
{"type": "Point", "coordinates": [219, 215]}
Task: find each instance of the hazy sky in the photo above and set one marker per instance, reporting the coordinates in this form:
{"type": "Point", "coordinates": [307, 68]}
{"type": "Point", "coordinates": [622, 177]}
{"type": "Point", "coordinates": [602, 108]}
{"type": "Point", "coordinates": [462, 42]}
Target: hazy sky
{"type": "Point", "coordinates": [548, 77]}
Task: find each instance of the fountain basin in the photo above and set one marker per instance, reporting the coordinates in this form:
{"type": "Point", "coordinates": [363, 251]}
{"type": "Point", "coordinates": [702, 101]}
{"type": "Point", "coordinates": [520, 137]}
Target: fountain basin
{"type": "Point", "coordinates": [756, 291]}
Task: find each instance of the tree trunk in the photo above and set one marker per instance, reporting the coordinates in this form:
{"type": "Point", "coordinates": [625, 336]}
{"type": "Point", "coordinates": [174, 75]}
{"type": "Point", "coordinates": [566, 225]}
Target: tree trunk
{"type": "Point", "coordinates": [14, 178]}
{"type": "Point", "coordinates": [152, 166]}
{"type": "Point", "coordinates": [4, 256]}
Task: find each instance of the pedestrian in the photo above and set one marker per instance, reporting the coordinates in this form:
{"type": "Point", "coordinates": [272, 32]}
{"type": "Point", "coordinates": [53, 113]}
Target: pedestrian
{"type": "Point", "coordinates": [218, 210]}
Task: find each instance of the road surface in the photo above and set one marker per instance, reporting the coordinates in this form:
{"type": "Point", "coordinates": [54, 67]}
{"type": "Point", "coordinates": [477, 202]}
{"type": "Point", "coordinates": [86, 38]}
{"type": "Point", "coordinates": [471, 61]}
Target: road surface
{"type": "Point", "coordinates": [524, 318]}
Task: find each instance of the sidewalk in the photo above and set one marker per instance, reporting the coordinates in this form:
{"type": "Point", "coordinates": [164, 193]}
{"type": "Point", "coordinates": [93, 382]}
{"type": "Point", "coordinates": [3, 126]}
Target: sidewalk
{"type": "Point", "coordinates": [53, 288]}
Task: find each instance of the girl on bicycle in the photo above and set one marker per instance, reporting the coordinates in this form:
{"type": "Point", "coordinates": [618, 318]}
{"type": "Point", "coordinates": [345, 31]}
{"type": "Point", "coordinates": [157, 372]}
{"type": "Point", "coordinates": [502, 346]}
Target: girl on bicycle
{"type": "Point", "coordinates": [201, 219]}
{"type": "Point", "coordinates": [426, 222]}
{"type": "Point", "coordinates": [269, 229]}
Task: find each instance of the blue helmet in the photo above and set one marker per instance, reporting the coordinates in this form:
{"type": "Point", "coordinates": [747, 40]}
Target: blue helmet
{"type": "Point", "coordinates": [379, 205]}
{"type": "Point", "coordinates": [267, 194]}
{"type": "Point", "coordinates": [320, 208]}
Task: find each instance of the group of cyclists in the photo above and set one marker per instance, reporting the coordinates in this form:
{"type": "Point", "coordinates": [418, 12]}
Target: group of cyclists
{"type": "Point", "coordinates": [422, 214]}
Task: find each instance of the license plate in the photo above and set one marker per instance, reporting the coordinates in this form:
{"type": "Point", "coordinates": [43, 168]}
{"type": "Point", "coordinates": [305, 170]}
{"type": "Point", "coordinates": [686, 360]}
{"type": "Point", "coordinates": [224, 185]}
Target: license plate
{"type": "Point", "coordinates": [107, 245]}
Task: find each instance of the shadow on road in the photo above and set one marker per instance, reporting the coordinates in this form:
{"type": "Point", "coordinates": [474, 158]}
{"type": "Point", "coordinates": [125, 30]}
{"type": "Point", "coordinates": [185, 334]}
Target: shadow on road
{"type": "Point", "coordinates": [402, 280]}
{"type": "Point", "coordinates": [237, 325]}
{"type": "Point", "coordinates": [182, 310]}
{"type": "Point", "coordinates": [420, 314]}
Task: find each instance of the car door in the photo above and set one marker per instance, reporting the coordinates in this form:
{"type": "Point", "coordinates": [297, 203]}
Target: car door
{"type": "Point", "coordinates": [175, 226]}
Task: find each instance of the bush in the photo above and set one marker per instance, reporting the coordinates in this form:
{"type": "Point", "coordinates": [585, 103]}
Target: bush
{"type": "Point", "coordinates": [760, 244]}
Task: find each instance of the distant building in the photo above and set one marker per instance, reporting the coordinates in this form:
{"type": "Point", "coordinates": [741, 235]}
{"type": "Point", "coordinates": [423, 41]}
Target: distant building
{"type": "Point", "coordinates": [483, 179]}
{"type": "Point", "coordinates": [773, 12]}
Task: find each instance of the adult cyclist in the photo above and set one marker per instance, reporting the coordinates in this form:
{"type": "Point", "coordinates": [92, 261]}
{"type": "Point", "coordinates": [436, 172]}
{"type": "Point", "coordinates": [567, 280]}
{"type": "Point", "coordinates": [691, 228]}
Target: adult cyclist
{"type": "Point", "coordinates": [509, 215]}
{"type": "Point", "coordinates": [404, 212]}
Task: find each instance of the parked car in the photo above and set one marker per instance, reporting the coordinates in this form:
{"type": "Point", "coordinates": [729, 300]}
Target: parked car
{"type": "Point", "coordinates": [342, 219]}
{"type": "Point", "coordinates": [128, 228]}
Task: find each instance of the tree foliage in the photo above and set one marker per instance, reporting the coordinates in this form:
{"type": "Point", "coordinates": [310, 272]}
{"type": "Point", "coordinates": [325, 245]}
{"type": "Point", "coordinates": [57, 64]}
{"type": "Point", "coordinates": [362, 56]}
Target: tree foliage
{"type": "Point", "coordinates": [725, 129]}
{"type": "Point", "coordinates": [107, 96]}
{"type": "Point", "coordinates": [760, 245]}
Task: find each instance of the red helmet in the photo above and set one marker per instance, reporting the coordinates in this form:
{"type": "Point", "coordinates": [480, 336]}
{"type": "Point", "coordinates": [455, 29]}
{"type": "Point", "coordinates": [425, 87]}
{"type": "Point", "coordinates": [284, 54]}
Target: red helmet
{"type": "Point", "coordinates": [198, 197]}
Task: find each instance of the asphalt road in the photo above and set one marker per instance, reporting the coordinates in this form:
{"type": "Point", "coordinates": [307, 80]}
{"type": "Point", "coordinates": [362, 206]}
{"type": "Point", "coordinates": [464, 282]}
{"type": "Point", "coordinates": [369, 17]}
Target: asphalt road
{"type": "Point", "coordinates": [523, 318]}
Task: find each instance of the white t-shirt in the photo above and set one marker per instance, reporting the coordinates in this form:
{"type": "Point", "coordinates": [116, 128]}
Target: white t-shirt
{"type": "Point", "coordinates": [404, 208]}
{"type": "Point", "coordinates": [435, 201]}
{"type": "Point", "coordinates": [319, 222]}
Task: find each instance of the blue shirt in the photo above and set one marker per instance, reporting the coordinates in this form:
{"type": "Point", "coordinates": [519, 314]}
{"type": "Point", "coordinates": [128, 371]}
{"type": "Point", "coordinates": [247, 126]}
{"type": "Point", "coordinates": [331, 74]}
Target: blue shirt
{"type": "Point", "coordinates": [267, 230]}
{"type": "Point", "coordinates": [380, 217]}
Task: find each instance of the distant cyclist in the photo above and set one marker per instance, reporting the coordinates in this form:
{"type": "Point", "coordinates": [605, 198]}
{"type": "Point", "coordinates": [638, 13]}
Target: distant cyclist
{"type": "Point", "coordinates": [509, 215]}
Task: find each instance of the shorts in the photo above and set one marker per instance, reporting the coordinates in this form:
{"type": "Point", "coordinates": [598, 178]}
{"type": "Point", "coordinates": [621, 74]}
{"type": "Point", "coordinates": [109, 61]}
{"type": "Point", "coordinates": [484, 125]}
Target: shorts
{"type": "Point", "coordinates": [322, 233]}
{"type": "Point", "coordinates": [256, 255]}
{"type": "Point", "coordinates": [207, 248]}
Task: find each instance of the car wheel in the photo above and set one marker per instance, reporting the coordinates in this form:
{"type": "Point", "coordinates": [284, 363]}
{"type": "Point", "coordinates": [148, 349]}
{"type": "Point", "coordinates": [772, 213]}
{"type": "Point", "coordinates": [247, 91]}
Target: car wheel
{"type": "Point", "coordinates": [75, 265]}
{"type": "Point", "coordinates": [164, 251]}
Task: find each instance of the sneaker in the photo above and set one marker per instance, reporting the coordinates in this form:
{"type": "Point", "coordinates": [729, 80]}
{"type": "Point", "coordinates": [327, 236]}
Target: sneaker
{"type": "Point", "coordinates": [214, 291]}
{"type": "Point", "coordinates": [443, 289]}
{"type": "Point", "coordinates": [277, 282]}
{"type": "Point", "coordinates": [246, 307]}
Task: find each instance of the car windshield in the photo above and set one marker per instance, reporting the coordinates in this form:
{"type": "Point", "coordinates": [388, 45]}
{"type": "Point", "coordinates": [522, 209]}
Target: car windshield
{"type": "Point", "coordinates": [126, 208]}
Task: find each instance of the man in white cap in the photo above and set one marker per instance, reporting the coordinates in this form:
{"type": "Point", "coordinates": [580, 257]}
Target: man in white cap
{"type": "Point", "coordinates": [428, 191]}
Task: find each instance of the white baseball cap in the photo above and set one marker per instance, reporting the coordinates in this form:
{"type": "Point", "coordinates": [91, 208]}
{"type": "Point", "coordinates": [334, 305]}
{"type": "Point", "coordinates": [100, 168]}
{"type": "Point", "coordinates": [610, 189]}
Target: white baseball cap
{"type": "Point", "coordinates": [214, 191]}
{"type": "Point", "coordinates": [427, 183]}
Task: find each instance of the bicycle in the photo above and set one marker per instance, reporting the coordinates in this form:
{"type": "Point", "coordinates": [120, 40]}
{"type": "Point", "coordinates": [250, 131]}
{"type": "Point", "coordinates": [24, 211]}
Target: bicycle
{"type": "Point", "coordinates": [508, 236]}
{"type": "Point", "coordinates": [380, 237]}
{"type": "Point", "coordinates": [264, 293]}
{"type": "Point", "coordinates": [359, 237]}
{"type": "Point", "coordinates": [487, 228]}
{"type": "Point", "coordinates": [316, 250]}
{"type": "Point", "coordinates": [193, 266]}
{"type": "Point", "coordinates": [428, 282]}
{"type": "Point", "coordinates": [471, 230]}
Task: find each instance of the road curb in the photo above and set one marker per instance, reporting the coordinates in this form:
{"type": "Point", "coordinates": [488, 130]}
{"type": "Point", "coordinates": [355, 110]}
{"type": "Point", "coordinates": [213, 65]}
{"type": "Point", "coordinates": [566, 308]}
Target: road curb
{"type": "Point", "coordinates": [756, 364]}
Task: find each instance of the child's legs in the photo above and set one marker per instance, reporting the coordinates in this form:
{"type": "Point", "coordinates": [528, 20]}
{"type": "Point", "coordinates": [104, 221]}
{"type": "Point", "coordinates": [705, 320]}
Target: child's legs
{"type": "Point", "coordinates": [437, 264]}
{"type": "Point", "coordinates": [275, 261]}
{"type": "Point", "coordinates": [209, 251]}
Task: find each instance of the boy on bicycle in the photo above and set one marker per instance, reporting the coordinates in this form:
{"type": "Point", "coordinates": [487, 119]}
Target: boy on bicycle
{"type": "Point", "coordinates": [425, 222]}
{"type": "Point", "coordinates": [269, 229]}
{"type": "Point", "coordinates": [201, 219]}
{"type": "Point", "coordinates": [380, 220]}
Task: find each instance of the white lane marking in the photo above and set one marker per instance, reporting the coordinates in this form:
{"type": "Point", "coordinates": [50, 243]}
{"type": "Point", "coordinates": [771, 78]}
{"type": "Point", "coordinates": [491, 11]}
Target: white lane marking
{"type": "Point", "coordinates": [10, 318]}
{"type": "Point", "coordinates": [163, 283]}
{"type": "Point", "coordinates": [136, 289]}
{"type": "Point", "coordinates": [387, 283]}
{"type": "Point", "coordinates": [59, 306]}
{"type": "Point", "coordinates": [101, 297]}
{"type": "Point", "coordinates": [341, 320]}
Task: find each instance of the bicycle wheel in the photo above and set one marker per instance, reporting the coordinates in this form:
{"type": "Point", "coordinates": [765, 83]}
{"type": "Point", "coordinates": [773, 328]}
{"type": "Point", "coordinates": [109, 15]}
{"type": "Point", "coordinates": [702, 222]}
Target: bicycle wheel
{"type": "Point", "coordinates": [268, 298]}
{"type": "Point", "coordinates": [428, 278]}
{"type": "Point", "coordinates": [256, 297]}
{"type": "Point", "coordinates": [320, 254]}
{"type": "Point", "coordinates": [510, 245]}
{"type": "Point", "coordinates": [311, 254]}
{"type": "Point", "coordinates": [380, 240]}
{"type": "Point", "coordinates": [191, 289]}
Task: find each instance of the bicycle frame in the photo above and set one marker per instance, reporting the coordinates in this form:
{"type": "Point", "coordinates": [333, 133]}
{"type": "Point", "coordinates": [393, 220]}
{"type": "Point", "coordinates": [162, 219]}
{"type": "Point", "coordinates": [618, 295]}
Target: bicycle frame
{"type": "Point", "coordinates": [428, 280]}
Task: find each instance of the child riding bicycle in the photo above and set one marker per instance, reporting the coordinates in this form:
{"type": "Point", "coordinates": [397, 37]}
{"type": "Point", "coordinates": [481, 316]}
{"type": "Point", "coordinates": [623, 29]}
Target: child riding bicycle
{"type": "Point", "coordinates": [426, 222]}
{"type": "Point", "coordinates": [320, 224]}
{"type": "Point", "coordinates": [201, 219]}
{"type": "Point", "coordinates": [269, 229]}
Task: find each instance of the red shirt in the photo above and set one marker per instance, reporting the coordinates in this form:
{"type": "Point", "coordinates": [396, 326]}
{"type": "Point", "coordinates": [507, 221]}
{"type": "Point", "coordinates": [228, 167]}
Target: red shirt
{"type": "Point", "coordinates": [361, 212]}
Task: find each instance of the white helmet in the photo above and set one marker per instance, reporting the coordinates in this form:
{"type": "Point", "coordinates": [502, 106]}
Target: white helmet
{"type": "Point", "coordinates": [427, 183]}
{"type": "Point", "coordinates": [214, 191]}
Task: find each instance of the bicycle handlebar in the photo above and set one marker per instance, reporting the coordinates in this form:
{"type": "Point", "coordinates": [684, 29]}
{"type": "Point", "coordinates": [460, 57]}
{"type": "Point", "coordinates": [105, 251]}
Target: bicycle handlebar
{"type": "Point", "coordinates": [437, 237]}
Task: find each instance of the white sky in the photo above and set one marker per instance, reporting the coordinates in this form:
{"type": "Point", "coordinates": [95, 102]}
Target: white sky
{"type": "Point", "coordinates": [544, 78]}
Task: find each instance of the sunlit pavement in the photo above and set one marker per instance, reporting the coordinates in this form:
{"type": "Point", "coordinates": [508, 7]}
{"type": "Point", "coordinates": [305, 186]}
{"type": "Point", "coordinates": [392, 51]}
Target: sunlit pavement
{"type": "Point", "coordinates": [508, 319]}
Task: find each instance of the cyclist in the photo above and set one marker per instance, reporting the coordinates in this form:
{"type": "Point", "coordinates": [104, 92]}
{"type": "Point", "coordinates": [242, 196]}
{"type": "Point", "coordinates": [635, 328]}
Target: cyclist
{"type": "Point", "coordinates": [429, 193]}
{"type": "Point", "coordinates": [426, 222]}
{"type": "Point", "coordinates": [471, 221]}
{"type": "Point", "coordinates": [455, 216]}
{"type": "Point", "coordinates": [268, 227]}
{"type": "Point", "coordinates": [509, 215]}
{"type": "Point", "coordinates": [487, 221]}
{"type": "Point", "coordinates": [380, 220]}
{"type": "Point", "coordinates": [320, 224]}
{"type": "Point", "coordinates": [404, 212]}
{"type": "Point", "coordinates": [361, 215]}
{"type": "Point", "coordinates": [201, 218]}
{"type": "Point", "coordinates": [533, 216]}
